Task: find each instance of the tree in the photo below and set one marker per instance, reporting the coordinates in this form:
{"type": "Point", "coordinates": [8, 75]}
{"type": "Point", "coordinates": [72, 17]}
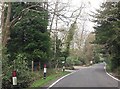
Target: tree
{"type": "Point", "coordinates": [71, 33]}
{"type": "Point", "coordinates": [69, 39]}
{"type": "Point", "coordinates": [30, 37]}
{"type": "Point", "coordinates": [56, 11]}
{"type": "Point", "coordinates": [5, 23]}
{"type": "Point", "coordinates": [28, 40]}
{"type": "Point", "coordinates": [107, 31]}
{"type": "Point", "coordinates": [58, 14]}
{"type": "Point", "coordinates": [89, 48]}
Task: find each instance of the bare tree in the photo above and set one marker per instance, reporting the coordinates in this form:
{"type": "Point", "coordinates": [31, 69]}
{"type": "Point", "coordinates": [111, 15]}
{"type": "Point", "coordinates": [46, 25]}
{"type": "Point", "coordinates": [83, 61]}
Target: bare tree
{"type": "Point", "coordinates": [59, 14]}
{"type": "Point", "coordinates": [88, 48]}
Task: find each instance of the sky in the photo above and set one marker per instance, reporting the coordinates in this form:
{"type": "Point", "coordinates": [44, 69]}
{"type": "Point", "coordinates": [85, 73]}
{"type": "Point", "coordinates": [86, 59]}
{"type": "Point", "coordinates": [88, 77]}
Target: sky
{"type": "Point", "coordinates": [91, 6]}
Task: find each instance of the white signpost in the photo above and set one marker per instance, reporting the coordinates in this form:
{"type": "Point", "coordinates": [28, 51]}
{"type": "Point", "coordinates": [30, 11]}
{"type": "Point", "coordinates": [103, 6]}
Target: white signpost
{"type": "Point", "coordinates": [45, 71]}
{"type": "Point", "coordinates": [14, 78]}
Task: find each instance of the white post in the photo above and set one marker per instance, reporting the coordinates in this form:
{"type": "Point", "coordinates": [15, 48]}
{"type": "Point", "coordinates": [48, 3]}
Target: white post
{"type": "Point", "coordinates": [32, 66]}
{"type": "Point", "coordinates": [45, 71]}
{"type": "Point", "coordinates": [14, 78]}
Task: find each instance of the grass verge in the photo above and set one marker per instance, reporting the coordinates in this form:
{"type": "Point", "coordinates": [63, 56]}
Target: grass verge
{"type": "Point", "coordinates": [42, 82]}
{"type": "Point", "coordinates": [115, 72]}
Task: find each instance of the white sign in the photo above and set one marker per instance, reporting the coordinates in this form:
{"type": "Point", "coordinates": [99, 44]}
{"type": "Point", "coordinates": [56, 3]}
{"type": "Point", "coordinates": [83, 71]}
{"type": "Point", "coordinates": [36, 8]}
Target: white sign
{"type": "Point", "coordinates": [14, 80]}
{"type": "Point", "coordinates": [45, 70]}
{"type": "Point", "coordinates": [91, 62]}
{"type": "Point", "coordinates": [63, 61]}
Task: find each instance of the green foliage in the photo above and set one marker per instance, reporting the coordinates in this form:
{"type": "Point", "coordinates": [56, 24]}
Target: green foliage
{"type": "Point", "coordinates": [108, 30]}
{"type": "Point", "coordinates": [23, 73]}
{"type": "Point", "coordinates": [97, 52]}
{"type": "Point", "coordinates": [58, 48]}
{"type": "Point", "coordinates": [96, 59]}
{"type": "Point", "coordinates": [56, 52]}
{"type": "Point", "coordinates": [30, 36]}
{"type": "Point", "coordinates": [69, 39]}
{"type": "Point", "coordinates": [6, 72]}
{"type": "Point", "coordinates": [70, 61]}
{"type": "Point", "coordinates": [29, 40]}
{"type": "Point", "coordinates": [43, 82]}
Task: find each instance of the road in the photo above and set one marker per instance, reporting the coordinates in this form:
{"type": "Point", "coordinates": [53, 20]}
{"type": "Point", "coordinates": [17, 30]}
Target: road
{"type": "Point", "coordinates": [94, 76]}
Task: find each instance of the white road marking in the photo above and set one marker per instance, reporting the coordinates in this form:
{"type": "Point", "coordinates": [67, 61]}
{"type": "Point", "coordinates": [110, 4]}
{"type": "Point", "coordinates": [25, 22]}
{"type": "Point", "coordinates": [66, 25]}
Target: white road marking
{"type": "Point", "coordinates": [110, 74]}
{"type": "Point", "coordinates": [78, 70]}
{"type": "Point", "coordinates": [64, 77]}
{"type": "Point", "coordinates": [60, 79]}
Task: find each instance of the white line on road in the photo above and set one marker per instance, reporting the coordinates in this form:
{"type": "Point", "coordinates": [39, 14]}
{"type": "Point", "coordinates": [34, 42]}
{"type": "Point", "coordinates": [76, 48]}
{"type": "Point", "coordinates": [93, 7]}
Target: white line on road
{"type": "Point", "coordinates": [60, 79]}
{"type": "Point", "coordinates": [66, 76]}
{"type": "Point", "coordinates": [110, 74]}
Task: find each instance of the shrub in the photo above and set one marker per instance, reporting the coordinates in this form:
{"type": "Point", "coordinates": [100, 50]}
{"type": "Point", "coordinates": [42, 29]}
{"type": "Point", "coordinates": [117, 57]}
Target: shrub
{"type": "Point", "coordinates": [23, 74]}
{"type": "Point", "coordinates": [6, 73]}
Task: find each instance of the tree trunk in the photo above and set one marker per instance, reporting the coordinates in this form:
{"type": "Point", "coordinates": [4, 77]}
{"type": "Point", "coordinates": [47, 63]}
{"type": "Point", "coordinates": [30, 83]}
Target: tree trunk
{"type": "Point", "coordinates": [56, 66]}
{"type": "Point", "coordinates": [39, 66]}
{"type": "Point", "coordinates": [2, 20]}
{"type": "Point", "coordinates": [6, 26]}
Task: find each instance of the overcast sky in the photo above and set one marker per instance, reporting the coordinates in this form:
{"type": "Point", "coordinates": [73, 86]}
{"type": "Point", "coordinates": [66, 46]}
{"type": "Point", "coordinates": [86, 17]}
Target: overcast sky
{"type": "Point", "coordinates": [91, 6]}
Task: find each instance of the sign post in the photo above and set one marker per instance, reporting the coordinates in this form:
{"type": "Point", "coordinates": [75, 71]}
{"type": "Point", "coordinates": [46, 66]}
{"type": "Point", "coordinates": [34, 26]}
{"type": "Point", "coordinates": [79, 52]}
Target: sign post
{"type": "Point", "coordinates": [14, 79]}
{"type": "Point", "coordinates": [63, 62]}
{"type": "Point", "coordinates": [45, 70]}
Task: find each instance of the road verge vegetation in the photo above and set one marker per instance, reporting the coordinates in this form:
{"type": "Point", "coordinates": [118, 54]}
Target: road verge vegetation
{"type": "Point", "coordinates": [51, 76]}
{"type": "Point", "coordinates": [115, 73]}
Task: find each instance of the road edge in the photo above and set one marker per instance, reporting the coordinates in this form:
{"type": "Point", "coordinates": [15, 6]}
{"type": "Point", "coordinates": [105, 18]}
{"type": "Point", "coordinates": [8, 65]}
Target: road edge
{"type": "Point", "coordinates": [110, 74]}
{"type": "Point", "coordinates": [60, 79]}
{"type": "Point", "coordinates": [63, 78]}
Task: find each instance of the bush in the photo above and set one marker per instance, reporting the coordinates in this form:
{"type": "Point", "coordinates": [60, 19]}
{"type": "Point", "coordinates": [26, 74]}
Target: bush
{"type": "Point", "coordinates": [97, 59]}
{"type": "Point", "coordinates": [73, 61]}
{"type": "Point", "coordinates": [23, 74]}
{"type": "Point", "coordinates": [6, 73]}
{"type": "Point", "coordinates": [114, 63]}
{"type": "Point", "coordinates": [70, 68]}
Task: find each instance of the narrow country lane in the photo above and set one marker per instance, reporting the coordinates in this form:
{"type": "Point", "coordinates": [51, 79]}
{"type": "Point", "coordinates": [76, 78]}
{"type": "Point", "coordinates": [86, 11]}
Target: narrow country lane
{"type": "Point", "coordinates": [94, 76]}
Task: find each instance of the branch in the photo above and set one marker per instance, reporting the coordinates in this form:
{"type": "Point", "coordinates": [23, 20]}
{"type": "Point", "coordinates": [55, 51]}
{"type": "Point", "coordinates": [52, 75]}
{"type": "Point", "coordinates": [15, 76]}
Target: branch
{"type": "Point", "coordinates": [22, 13]}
